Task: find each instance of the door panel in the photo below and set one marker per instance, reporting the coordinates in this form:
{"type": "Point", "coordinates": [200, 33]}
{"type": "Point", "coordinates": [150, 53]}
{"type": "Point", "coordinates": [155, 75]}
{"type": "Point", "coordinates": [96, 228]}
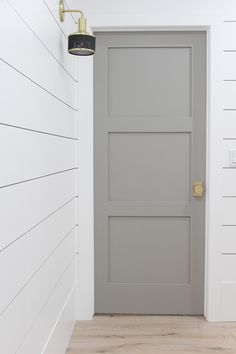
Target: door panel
{"type": "Point", "coordinates": [152, 250]}
{"type": "Point", "coordinates": [149, 136]}
{"type": "Point", "coordinates": [149, 166]}
{"type": "Point", "coordinates": [134, 92]}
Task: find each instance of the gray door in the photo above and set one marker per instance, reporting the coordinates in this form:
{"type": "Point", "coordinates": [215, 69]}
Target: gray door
{"type": "Point", "coordinates": [150, 110]}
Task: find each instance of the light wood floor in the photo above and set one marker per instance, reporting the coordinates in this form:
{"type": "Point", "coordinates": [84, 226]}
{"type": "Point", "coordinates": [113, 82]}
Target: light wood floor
{"type": "Point", "coordinates": [152, 335]}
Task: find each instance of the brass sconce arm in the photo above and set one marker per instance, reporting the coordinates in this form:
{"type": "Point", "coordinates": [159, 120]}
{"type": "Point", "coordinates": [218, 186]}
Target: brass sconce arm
{"type": "Point", "coordinates": [82, 22]}
{"type": "Point", "coordinates": [74, 11]}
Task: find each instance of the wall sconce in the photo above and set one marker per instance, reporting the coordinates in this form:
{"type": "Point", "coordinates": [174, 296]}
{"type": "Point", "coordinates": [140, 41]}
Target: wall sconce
{"type": "Point", "coordinates": [81, 42]}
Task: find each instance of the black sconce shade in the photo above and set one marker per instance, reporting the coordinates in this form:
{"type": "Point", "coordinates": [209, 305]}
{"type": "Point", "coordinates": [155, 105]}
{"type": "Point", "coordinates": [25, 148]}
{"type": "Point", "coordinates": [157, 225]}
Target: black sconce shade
{"type": "Point", "coordinates": [81, 44]}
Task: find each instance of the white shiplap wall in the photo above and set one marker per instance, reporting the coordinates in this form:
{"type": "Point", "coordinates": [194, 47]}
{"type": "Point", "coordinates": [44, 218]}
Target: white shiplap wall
{"type": "Point", "coordinates": [228, 219]}
{"type": "Point", "coordinates": [38, 197]}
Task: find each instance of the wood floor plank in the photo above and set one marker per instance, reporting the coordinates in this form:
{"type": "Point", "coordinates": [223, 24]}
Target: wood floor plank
{"type": "Point", "coordinates": [152, 335]}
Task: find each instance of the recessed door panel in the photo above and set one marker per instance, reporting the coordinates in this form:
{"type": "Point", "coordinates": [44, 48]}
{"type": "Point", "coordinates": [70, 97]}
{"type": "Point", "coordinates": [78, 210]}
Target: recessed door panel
{"type": "Point", "coordinates": [150, 250]}
{"type": "Point", "coordinates": [138, 86]}
{"type": "Point", "coordinates": [149, 166]}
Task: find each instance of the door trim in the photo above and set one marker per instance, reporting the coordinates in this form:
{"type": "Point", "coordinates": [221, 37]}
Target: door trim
{"type": "Point", "coordinates": [85, 308]}
{"type": "Point", "coordinates": [207, 30]}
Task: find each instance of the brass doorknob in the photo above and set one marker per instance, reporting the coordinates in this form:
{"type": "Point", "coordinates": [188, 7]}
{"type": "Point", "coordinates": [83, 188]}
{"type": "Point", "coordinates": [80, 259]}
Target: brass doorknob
{"type": "Point", "coordinates": [198, 189]}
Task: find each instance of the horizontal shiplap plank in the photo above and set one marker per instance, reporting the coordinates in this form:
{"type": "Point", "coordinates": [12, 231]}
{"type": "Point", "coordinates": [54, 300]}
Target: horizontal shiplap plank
{"type": "Point", "coordinates": [228, 128]}
{"type": "Point", "coordinates": [229, 35]}
{"type": "Point", "coordinates": [228, 266]}
{"type": "Point", "coordinates": [25, 155]}
{"type": "Point", "coordinates": [59, 339]}
{"type": "Point", "coordinates": [229, 68]}
{"type": "Point", "coordinates": [21, 315]}
{"type": "Point", "coordinates": [36, 109]}
{"type": "Point", "coordinates": [228, 239]}
{"type": "Point", "coordinates": [228, 182]}
{"type": "Point", "coordinates": [33, 59]}
{"type": "Point", "coordinates": [25, 205]}
{"type": "Point", "coordinates": [227, 301]}
{"type": "Point", "coordinates": [38, 335]}
{"type": "Point", "coordinates": [229, 94]}
{"type": "Point", "coordinates": [36, 13]}
{"type": "Point", "coordinates": [40, 243]}
{"type": "Point", "coordinates": [228, 215]}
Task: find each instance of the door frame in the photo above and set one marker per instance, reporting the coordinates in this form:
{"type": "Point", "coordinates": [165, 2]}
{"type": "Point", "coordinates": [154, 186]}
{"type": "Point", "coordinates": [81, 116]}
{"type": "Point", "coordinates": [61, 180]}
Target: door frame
{"type": "Point", "coordinates": [88, 262]}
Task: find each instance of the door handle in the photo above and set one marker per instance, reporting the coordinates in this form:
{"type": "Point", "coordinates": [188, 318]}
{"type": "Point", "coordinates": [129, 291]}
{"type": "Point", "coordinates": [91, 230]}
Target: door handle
{"type": "Point", "coordinates": [198, 189]}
